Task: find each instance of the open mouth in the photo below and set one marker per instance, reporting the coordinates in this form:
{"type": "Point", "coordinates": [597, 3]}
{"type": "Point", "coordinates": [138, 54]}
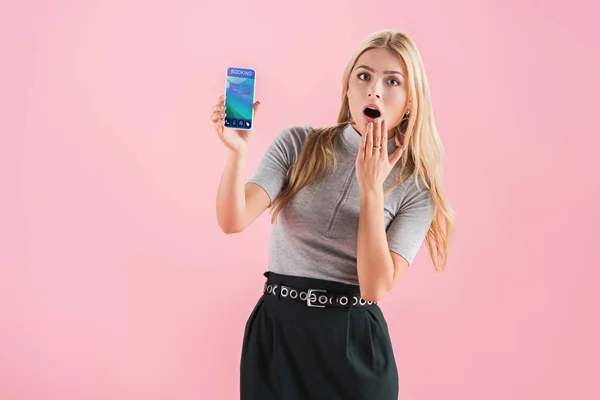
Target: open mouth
{"type": "Point", "coordinates": [372, 112]}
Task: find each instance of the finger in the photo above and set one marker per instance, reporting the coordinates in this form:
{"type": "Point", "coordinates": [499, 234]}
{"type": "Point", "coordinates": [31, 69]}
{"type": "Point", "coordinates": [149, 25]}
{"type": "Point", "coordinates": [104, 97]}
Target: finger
{"type": "Point", "coordinates": [369, 144]}
{"type": "Point", "coordinates": [218, 108]}
{"type": "Point", "coordinates": [398, 143]}
{"type": "Point", "coordinates": [219, 127]}
{"type": "Point", "coordinates": [384, 133]}
{"type": "Point", "coordinates": [377, 133]}
{"type": "Point", "coordinates": [255, 108]}
{"type": "Point", "coordinates": [216, 117]}
{"type": "Point", "coordinates": [396, 156]}
{"type": "Point", "coordinates": [363, 144]}
{"type": "Point", "coordinates": [221, 101]}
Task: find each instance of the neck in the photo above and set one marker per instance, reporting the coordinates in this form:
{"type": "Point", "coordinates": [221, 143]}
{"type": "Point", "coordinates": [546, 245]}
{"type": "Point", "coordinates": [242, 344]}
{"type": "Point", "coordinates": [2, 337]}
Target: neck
{"type": "Point", "coordinates": [390, 133]}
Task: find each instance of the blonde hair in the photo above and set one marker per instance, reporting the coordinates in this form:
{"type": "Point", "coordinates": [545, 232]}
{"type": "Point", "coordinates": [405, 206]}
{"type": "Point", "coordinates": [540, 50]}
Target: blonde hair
{"type": "Point", "coordinates": [423, 154]}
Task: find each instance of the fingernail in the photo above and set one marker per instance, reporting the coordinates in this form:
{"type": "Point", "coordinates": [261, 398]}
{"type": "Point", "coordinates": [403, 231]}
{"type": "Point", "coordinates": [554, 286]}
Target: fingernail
{"type": "Point", "coordinates": [377, 120]}
{"type": "Point", "coordinates": [222, 106]}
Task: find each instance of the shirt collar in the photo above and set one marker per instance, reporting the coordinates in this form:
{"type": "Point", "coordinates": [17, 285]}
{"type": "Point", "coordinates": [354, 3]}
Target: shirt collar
{"type": "Point", "coordinates": [352, 138]}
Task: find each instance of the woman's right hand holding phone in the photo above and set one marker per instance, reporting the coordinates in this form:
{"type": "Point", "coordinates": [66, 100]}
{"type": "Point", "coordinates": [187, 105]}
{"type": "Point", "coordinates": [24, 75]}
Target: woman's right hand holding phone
{"type": "Point", "coordinates": [236, 140]}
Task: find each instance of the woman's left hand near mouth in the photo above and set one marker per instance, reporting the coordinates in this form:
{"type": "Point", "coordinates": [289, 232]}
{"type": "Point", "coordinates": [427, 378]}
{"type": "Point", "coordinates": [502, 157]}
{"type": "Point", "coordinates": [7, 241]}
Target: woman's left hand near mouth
{"type": "Point", "coordinates": [373, 164]}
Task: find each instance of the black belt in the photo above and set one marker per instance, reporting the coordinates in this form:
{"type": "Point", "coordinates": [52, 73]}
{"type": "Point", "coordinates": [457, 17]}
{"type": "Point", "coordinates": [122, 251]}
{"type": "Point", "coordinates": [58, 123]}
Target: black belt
{"type": "Point", "coordinates": [318, 297]}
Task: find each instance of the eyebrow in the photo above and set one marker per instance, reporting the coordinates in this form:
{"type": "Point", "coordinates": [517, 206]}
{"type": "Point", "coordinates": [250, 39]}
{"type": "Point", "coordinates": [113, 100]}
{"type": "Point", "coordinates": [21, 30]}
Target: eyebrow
{"type": "Point", "coordinates": [385, 72]}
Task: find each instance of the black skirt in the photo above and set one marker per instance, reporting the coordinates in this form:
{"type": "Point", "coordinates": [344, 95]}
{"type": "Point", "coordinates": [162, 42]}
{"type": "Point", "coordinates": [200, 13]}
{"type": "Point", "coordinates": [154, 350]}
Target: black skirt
{"type": "Point", "coordinates": [294, 352]}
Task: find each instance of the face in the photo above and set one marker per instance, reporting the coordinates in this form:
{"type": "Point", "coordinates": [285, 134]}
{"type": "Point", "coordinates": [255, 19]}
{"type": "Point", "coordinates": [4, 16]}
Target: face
{"type": "Point", "coordinates": [377, 88]}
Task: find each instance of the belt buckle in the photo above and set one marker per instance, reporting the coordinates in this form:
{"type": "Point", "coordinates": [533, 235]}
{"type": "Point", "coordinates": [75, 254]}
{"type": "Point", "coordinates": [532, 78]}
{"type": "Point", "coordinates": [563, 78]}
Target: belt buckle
{"type": "Point", "coordinates": [310, 293]}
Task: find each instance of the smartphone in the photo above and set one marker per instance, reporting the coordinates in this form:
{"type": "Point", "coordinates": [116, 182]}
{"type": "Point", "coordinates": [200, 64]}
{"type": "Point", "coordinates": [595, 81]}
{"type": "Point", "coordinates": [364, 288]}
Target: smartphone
{"type": "Point", "coordinates": [239, 98]}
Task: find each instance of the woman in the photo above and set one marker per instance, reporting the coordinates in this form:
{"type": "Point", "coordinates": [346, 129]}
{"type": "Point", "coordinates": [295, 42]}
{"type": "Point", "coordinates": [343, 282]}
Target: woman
{"type": "Point", "coordinates": [352, 203]}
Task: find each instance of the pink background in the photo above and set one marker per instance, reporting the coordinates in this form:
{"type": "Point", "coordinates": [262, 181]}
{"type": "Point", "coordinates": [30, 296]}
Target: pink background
{"type": "Point", "coordinates": [112, 263]}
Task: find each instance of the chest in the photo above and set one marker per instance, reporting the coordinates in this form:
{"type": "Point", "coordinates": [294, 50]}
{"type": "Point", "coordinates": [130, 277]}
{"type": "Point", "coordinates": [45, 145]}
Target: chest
{"type": "Point", "coordinates": [330, 206]}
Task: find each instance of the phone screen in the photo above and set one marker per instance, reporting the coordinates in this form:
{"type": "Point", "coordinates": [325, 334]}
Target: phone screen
{"type": "Point", "coordinates": [239, 98]}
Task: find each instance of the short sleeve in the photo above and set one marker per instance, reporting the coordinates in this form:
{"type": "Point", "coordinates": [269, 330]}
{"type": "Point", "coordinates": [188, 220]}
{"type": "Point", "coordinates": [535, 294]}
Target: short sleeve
{"type": "Point", "coordinates": [279, 156]}
{"type": "Point", "coordinates": [409, 228]}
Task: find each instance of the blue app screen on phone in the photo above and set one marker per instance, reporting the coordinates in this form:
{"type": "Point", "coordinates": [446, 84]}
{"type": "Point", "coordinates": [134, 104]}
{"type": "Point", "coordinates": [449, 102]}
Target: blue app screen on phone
{"type": "Point", "coordinates": [239, 98]}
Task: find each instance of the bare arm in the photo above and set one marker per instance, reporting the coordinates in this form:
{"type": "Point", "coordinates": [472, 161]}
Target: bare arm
{"type": "Point", "coordinates": [238, 204]}
{"type": "Point", "coordinates": [378, 268]}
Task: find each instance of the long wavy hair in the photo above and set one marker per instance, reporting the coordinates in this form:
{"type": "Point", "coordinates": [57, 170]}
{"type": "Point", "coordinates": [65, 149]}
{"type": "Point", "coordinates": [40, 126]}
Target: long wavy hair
{"type": "Point", "coordinates": [423, 154]}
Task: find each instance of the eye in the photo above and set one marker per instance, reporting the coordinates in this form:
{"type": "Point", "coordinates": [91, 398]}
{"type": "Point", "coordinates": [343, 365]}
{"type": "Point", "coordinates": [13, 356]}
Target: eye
{"type": "Point", "coordinates": [394, 81]}
{"type": "Point", "coordinates": [363, 74]}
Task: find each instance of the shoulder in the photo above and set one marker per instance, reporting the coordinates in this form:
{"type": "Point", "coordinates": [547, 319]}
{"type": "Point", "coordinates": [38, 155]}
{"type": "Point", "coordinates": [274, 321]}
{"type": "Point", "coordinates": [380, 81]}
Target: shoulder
{"type": "Point", "coordinates": [416, 193]}
{"type": "Point", "coordinates": [290, 139]}
{"type": "Point", "coordinates": [295, 133]}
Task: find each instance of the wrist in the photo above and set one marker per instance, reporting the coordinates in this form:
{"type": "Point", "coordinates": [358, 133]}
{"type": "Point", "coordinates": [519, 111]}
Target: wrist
{"type": "Point", "coordinates": [239, 153]}
{"type": "Point", "coordinates": [372, 194]}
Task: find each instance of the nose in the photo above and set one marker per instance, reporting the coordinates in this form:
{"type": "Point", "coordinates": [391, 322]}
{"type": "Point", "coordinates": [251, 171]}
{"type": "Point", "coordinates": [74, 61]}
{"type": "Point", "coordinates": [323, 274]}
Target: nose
{"type": "Point", "coordinates": [375, 89]}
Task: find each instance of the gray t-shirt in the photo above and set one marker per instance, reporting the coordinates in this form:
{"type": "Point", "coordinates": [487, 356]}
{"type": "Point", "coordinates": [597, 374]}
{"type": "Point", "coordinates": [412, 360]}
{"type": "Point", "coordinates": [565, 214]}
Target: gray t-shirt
{"type": "Point", "coordinates": [315, 234]}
